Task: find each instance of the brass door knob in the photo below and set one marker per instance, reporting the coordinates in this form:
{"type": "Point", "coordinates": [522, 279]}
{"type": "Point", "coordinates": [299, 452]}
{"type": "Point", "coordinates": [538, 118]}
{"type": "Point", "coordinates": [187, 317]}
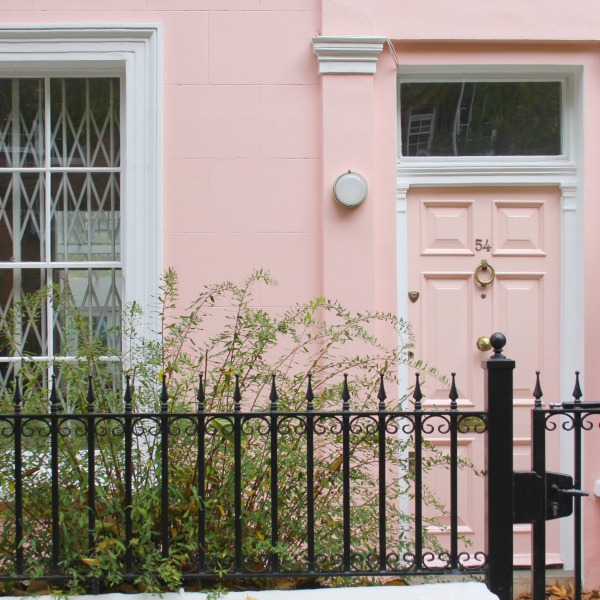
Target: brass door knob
{"type": "Point", "coordinates": [483, 343]}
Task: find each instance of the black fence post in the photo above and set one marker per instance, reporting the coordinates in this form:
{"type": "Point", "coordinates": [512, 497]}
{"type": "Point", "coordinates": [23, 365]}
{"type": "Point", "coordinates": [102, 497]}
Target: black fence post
{"type": "Point", "coordinates": [499, 405]}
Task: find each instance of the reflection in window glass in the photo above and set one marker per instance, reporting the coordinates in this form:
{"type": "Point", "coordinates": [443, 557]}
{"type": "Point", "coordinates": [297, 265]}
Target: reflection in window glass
{"type": "Point", "coordinates": [474, 118]}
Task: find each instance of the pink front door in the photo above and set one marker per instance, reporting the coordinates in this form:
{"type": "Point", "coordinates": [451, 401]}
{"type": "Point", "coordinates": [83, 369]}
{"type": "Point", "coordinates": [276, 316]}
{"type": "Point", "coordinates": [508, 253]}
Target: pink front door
{"type": "Point", "coordinates": [516, 231]}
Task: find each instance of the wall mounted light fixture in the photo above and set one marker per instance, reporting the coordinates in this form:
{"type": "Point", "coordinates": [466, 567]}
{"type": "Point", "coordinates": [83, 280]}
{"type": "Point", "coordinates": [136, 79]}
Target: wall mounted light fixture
{"type": "Point", "coordinates": [350, 189]}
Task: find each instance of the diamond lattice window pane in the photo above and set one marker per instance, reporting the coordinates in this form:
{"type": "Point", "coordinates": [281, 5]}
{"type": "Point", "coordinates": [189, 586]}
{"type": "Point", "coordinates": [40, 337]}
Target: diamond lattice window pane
{"type": "Point", "coordinates": [86, 217]}
{"type": "Point", "coordinates": [21, 217]}
{"type": "Point", "coordinates": [96, 293]}
{"type": "Point", "coordinates": [23, 313]}
{"type": "Point", "coordinates": [21, 122]}
{"type": "Point", "coordinates": [85, 122]}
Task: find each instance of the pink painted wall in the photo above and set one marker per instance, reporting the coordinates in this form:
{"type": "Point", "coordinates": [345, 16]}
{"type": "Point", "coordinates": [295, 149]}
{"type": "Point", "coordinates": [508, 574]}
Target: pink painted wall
{"type": "Point", "coordinates": [254, 137]}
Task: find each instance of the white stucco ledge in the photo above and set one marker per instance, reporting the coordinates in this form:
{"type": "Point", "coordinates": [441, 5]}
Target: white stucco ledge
{"type": "Point", "coordinates": [434, 591]}
{"type": "Point", "coordinates": [344, 55]}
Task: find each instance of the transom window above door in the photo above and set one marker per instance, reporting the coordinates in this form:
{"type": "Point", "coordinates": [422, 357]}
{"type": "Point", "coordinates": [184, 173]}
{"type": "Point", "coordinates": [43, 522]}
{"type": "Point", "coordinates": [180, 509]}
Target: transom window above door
{"type": "Point", "coordinates": [481, 118]}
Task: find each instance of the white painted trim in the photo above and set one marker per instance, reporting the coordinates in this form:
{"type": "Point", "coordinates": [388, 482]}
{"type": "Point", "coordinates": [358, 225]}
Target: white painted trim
{"type": "Point", "coordinates": [563, 171]}
{"type": "Point", "coordinates": [132, 52]}
{"type": "Point", "coordinates": [344, 55]}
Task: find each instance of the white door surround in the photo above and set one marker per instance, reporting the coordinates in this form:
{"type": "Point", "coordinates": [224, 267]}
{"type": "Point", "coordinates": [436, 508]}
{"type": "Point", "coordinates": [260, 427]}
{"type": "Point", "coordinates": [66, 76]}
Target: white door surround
{"type": "Point", "coordinates": [563, 171]}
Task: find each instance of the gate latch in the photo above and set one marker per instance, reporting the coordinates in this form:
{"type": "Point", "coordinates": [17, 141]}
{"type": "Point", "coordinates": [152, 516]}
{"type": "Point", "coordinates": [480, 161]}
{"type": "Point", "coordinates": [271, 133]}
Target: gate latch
{"type": "Point", "coordinates": [532, 503]}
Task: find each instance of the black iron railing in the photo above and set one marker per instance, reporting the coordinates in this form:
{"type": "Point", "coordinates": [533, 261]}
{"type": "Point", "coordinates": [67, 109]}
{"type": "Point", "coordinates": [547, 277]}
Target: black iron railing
{"type": "Point", "coordinates": [213, 491]}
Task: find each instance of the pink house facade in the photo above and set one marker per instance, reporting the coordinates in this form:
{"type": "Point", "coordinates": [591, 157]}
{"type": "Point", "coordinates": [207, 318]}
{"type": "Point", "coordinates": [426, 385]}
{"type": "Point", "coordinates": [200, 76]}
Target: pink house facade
{"type": "Point", "coordinates": [223, 125]}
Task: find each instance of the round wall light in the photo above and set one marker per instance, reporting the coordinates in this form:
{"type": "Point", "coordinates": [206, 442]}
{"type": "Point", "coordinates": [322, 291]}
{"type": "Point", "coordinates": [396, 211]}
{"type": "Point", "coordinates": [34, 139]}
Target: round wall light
{"type": "Point", "coordinates": [350, 189]}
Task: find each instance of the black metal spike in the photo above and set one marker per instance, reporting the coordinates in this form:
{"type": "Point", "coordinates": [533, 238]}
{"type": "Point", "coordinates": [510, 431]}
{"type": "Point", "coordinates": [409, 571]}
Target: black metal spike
{"type": "Point", "coordinates": [417, 394]}
{"type": "Point", "coordinates": [17, 398]}
{"type": "Point", "coordinates": [309, 396]}
{"type": "Point", "coordinates": [53, 396]}
{"type": "Point", "coordinates": [537, 392]}
{"type": "Point", "coordinates": [453, 393]}
{"type": "Point", "coordinates": [90, 395]}
{"type": "Point", "coordinates": [127, 396]}
{"type": "Point", "coordinates": [577, 393]}
{"type": "Point", "coordinates": [237, 395]}
{"type": "Point", "coordinates": [381, 395]}
{"type": "Point", "coordinates": [200, 397]}
{"type": "Point", "coordinates": [273, 397]}
{"type": "Point", "coordinates": [346, 394]}
{"type": "Point", "coordinates": [164, 396]}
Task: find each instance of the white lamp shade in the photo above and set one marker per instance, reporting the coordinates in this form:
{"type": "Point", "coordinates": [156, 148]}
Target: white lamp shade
{"type": "Point", "coordinates": [350, 189]}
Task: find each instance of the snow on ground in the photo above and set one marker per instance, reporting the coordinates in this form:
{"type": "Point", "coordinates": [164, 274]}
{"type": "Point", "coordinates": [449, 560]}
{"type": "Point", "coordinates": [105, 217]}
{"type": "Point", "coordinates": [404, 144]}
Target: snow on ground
{"type": "Point", "coordinates": [434, 591]}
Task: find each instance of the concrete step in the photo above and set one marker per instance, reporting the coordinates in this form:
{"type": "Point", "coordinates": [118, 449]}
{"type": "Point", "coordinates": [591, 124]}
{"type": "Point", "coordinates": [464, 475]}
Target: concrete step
{"type": "Point", "coordinates": [522, 579]}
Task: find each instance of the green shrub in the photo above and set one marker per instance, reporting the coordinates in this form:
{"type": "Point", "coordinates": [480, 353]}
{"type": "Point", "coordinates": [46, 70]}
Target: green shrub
{"type": "Point", "coordinates": [319, 337]}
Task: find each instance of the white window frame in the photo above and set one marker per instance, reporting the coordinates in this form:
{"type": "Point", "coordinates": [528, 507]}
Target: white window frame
{"type": "Point", "coordinates": [131, 52]}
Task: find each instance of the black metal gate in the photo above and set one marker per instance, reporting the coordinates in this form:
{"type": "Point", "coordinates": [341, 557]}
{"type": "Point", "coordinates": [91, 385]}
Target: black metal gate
{"type": "Point", "coordinates": [538, 495]}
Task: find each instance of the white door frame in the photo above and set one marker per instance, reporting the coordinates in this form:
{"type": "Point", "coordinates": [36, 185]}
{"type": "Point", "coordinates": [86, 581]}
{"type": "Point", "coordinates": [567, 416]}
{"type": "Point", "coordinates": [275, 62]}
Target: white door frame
{"type": "Point", "coordinates": [564, 172]}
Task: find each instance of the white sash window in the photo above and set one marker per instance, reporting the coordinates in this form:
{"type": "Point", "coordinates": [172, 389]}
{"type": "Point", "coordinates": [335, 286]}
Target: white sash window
{"type": "Point", "coordinates": [79, 180]}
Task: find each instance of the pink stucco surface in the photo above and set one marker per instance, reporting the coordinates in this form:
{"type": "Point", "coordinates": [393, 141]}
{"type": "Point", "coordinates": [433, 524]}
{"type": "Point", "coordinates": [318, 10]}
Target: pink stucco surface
{"type": "Point", "coordinates": [254, 137]}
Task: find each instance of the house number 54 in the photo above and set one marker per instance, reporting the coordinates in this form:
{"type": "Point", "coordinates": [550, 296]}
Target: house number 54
{"type": "Point", "coordinates": [481, 245]}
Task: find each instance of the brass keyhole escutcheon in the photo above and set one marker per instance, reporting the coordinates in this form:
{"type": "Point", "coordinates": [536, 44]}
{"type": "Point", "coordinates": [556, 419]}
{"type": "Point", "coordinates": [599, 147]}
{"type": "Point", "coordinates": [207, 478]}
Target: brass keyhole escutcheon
{"type": "Point", "coordinates": [483, 343]}
{"type": "Point", "coordinates": [484, 266]}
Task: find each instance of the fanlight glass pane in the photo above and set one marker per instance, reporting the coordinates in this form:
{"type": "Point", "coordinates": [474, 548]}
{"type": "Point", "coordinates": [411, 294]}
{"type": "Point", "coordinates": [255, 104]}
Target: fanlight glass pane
{"type": "Point", "coordinates": [478, 118]}
{"type": "Point", "coordinates": [85, 122]}
{"type": "Point", "coordinates": [21, 217]}
{"type": "Point", "coordinates": [95, 294]}
{"type": "Point", "coordinates": [86, 217]}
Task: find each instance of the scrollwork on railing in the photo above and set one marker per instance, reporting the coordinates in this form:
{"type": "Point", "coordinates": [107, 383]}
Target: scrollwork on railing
{"type": "Point", "coordinates": [570, 419]}
{"type": "Point", "coordinates": [429, 425]}
{"type": "Point", "coordinates": [260, 425]}
{"type": "Point", "coordinates": [586, 421]}
{"type": "Point", "coordinates": [186, 425]}
{"type": "Point", "coordinates": [109, 426]}
{"type": "Point", "coordinates": [7, 427]}
{"type": "Point", "coordinates": [219, 426]}
{"type": "Point", "coordinates": [477, 560]}
{"type": "Point", "coordinates": [291, 425]}
{"type": "Point", "coordinates": [471, 423]}
{"type": "Point", "coordinates": [363, 424]}
{"type": "Point", "coordinates": [409, 424]}
{"type": "Point", "coordinates": [321, 428]}
{"type": "Point", "coordinates": [436, 562]}
{"type": "Point", "coordinates": [35, 426]}
{"type": "Point", "coordinates": [145, 425]}
{"type": "Point", "coordinates": [72, 426]}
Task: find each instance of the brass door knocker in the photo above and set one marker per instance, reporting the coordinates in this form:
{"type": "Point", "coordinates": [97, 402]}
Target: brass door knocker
{"type": "Point", "coordinates": [484, 266]}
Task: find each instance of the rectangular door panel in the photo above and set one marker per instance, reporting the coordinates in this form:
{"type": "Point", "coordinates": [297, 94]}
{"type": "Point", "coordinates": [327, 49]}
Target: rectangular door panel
{"type": "Point", "coordinates": [518, 313]}
{"type": "Point", "coordinates": [446, 315]}
{"type": "Point", "coordinates": [447, 228]}
{"type": "Point", "coordinates": [518, 229]}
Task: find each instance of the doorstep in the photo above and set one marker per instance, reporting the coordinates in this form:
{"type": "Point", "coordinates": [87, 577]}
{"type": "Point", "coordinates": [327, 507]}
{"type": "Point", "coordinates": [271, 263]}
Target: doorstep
{"type": "Point", "coordinates": [522, 579]}
{"type": "Point", "coordinates": [433, 591]}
